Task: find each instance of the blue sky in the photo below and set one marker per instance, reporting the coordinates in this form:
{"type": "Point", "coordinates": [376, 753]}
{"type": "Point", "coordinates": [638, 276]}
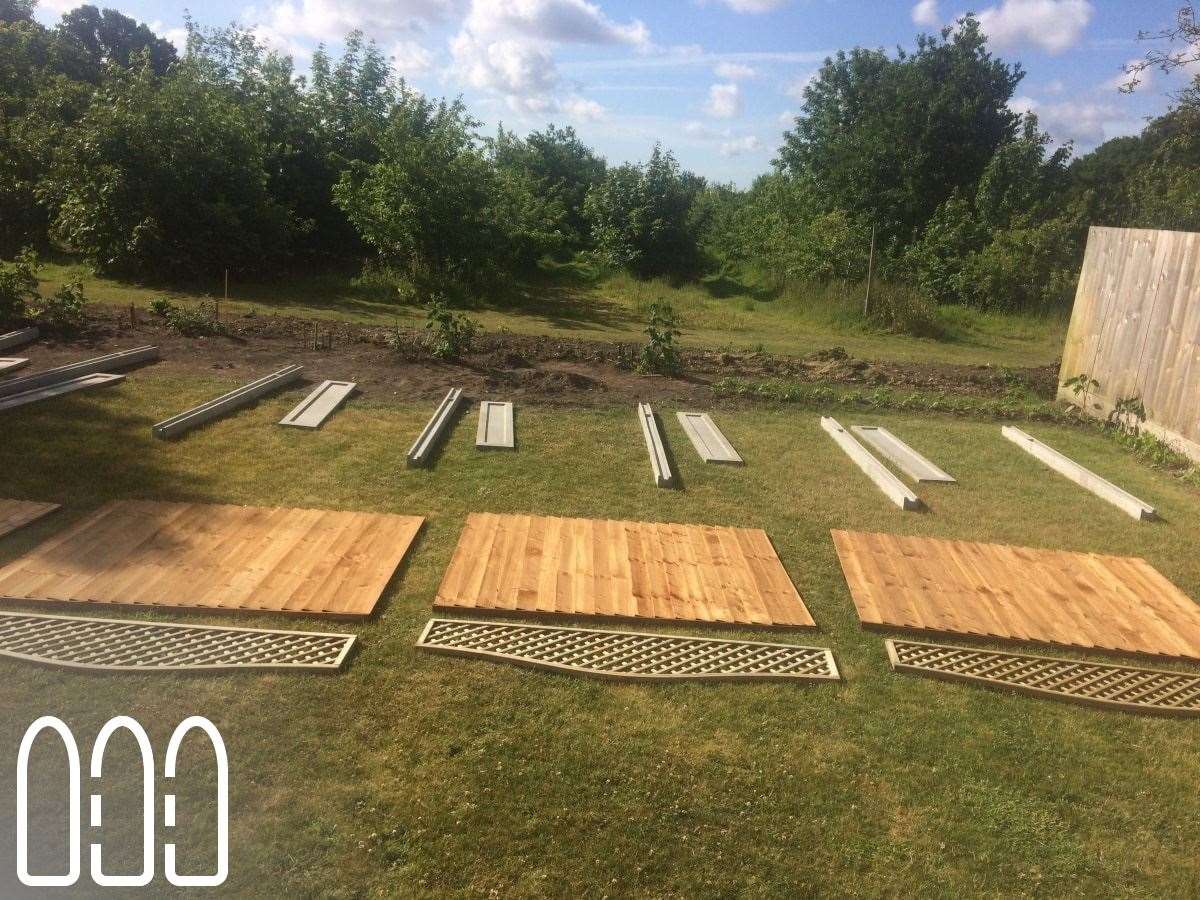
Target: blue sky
{"type": "Point", "coordinates": [714, 80]}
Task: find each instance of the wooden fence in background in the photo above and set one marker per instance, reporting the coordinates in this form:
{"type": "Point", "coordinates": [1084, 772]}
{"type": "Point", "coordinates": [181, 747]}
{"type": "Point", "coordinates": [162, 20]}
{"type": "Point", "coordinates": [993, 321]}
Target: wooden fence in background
{"type": "Point", "coordinates": [1135, 329]}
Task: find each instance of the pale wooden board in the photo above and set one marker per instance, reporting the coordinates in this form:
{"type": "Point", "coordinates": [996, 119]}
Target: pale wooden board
{"type": "Point", "coordinates": [893, 488]}
{"type": "Point", "coordinates": [707, 438]}
{"type": "Point", "coordinates": [625, 570]}
{"type": "Point", "coordinates": [1084, 600]}
{"type": "Point", "coordinates": [204, 556]}
{"type": "Point", "coordinates": [1085, 478]}
{"type": "Point", "coordinates": [313, 410]}
{"type": "Point", "coordinates": [495, 429]}
{"type": "Point", "coordinates": [12, 363]}
{"type": "Point", "coordinates": [660, 465]}
{"type": "Point", "coordinates": [33, 395]}
{"type": "Point", "coordinates": [15, 513]}
{"type": "Point", "coordinates": [903, 457]}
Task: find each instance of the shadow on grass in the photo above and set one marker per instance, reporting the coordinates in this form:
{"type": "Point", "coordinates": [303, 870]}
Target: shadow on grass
{"type": "Point", "coordinates": [561, 306]}
{"type": "Point", "coordinates": [722, 287]}
{"type": "Point", "coordinates": [49, 443]}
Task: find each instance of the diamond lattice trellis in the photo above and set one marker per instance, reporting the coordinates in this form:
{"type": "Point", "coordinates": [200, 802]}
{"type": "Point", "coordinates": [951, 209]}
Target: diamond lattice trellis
{"type": "Point", "coordinates": [117, 645]}
{"type": "Point", "coordinates": [1097, 684]}
{"type": "Point", "coordinates": [628, 655]}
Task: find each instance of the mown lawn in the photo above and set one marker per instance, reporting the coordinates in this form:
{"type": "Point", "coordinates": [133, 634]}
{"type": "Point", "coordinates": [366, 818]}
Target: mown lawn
{"type": "Point", "coordinates": [715, 313]}
{"type": "Point", "coordinates": [417, 775]}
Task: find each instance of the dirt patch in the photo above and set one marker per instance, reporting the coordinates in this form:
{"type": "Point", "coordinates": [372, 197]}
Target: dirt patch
{"type": "Point", "coordinates": [538, 369]}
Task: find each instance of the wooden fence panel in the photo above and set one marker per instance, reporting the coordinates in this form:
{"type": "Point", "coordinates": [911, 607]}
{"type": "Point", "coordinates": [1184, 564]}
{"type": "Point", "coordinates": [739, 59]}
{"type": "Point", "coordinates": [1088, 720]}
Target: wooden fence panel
{"type": "Point", "coordinates": [1135, 328]}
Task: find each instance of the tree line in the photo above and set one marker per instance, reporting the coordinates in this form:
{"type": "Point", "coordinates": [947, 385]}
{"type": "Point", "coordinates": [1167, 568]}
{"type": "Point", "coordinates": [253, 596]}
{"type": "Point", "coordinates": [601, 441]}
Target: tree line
{"type": "Point", "coordinates": [152, 161]}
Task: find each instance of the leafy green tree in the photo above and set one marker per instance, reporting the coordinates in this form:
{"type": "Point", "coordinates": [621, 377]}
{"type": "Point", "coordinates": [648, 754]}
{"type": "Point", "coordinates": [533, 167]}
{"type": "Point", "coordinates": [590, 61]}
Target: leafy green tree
{"type": "Point", "coordinates": [167, 177]}
{"type": "Point", "coordinates": [567, 169]}
{"type": "Point", "coordinates": [1011, 245]}
{"type": "Point", "coordinates": [107, 37]}
{"type": "Point", "coordinates": [18, 287]}
{"type": "Point", "coordinates": [301, 159]}
{"type": "Point", "coordinates": [889, 139]}
{"type": "Point", "coordinates": [42, 95]}
{"type": "Point", "coordinates": [355, 98]}
{"type": "Point", "coordinates": [16, 11]}
{"type": "Point", "coordinates": [427, 204]}
{"type": "Point", "coordinates": [639, 217]}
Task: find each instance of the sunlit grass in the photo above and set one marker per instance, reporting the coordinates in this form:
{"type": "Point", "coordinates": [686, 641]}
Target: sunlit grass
{"type": "Point", "coordinates": [574, 301]}
{"type": "Point", "coordinates": [419, 775]}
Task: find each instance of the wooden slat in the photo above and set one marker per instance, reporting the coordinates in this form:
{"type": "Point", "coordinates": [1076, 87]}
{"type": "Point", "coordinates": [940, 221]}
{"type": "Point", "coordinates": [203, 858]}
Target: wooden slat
{"type": "Point", "coordinates": [617, 569]}
{"type": "Point", "coordinates": [904, 457]}
{"type": "Point", "coordinates": [57, 389]}
{"type": "Point", "coordinates": [495, 429]}
{"type": "Point", "coordinates": [15, 513]}
{"type": "Point", "coordinates": [892, 487]}
{"type": "Point", "coordinates": [1085, 478]}
{"type": "Point", "coordinates": [17, 338]}
{"type": "Point", "coordinates": [201, 556]}
{"type": "Point", "coordinates": [1083, 600]}
{"type": "Point", "coordinates": [660, 465]}
{"type": "Point", "coordinates": [313, 410]}
{"type": "Point", "coordinates": [707, 438]}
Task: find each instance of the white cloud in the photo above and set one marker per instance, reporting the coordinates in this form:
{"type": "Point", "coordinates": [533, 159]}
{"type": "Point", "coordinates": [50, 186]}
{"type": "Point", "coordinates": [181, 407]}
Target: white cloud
{"type": "Point", "coordinates": [733, 71]}
{"type": "Point", "coordinates": [522, 71]}
{"type": "Point", "coordinates": [410, 58]}
{"type": "Point", "coordinates": [1051, 25]}
{"type": "Point", "coordinates": [552, 21]}
{"type": "Point", "coordinates": [1086, 123]}
{"type": "Point", "coordinates": [58, 7]}
{"type": "Point", "coordinates": [926, 13]}
{"type": "Point", "coordinates": [738, 146]}
{"type": "Point", "coordinates": [754, 6]}
{"type": "Point", "coordinates": [787, 118]}
{"type": "Point", "coordinates": [580, 109]}
{"type": "Point", "coordinates": [177, 36]}
{"type": "Point", "coordinates": [273, 39]}
{"type": "Point", "coordinates": [332, 20]}
{"type": "Point", "coordinates": [505, 48]}
{"type": "Point", "coordinates": [1021, 105]}
{"type": "Point", "coordinates": [724, 101]}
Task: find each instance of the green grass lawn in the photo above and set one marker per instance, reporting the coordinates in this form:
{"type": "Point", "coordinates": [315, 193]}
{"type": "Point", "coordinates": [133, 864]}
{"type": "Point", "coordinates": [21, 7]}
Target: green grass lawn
{"type": "Point", "coordinates": [716, 312]}
{"type": "Point", "coordinates": [419, 775]}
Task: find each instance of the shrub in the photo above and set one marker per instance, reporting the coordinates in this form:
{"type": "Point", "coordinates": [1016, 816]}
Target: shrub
{"type": "Point", "coordinates": [904, 310]}
{"type": "Point", "coordinates": [639, 217]}
{"type": "Point", "coordinates": [65, 310]}
{"type": "Point", "coordinates": [660, 355]}
{"type": "Point", "coordinates": [18, 286]}
{"type": "Point", "coordinates": [449, 333]}
{"type": "Point", "coordinates": [188, 321]}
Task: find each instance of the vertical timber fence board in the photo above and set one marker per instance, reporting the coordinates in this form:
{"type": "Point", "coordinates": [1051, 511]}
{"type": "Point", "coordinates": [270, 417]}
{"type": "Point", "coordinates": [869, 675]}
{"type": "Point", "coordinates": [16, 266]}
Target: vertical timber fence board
{"type": "Point", "coordinates": [1135, 329]}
